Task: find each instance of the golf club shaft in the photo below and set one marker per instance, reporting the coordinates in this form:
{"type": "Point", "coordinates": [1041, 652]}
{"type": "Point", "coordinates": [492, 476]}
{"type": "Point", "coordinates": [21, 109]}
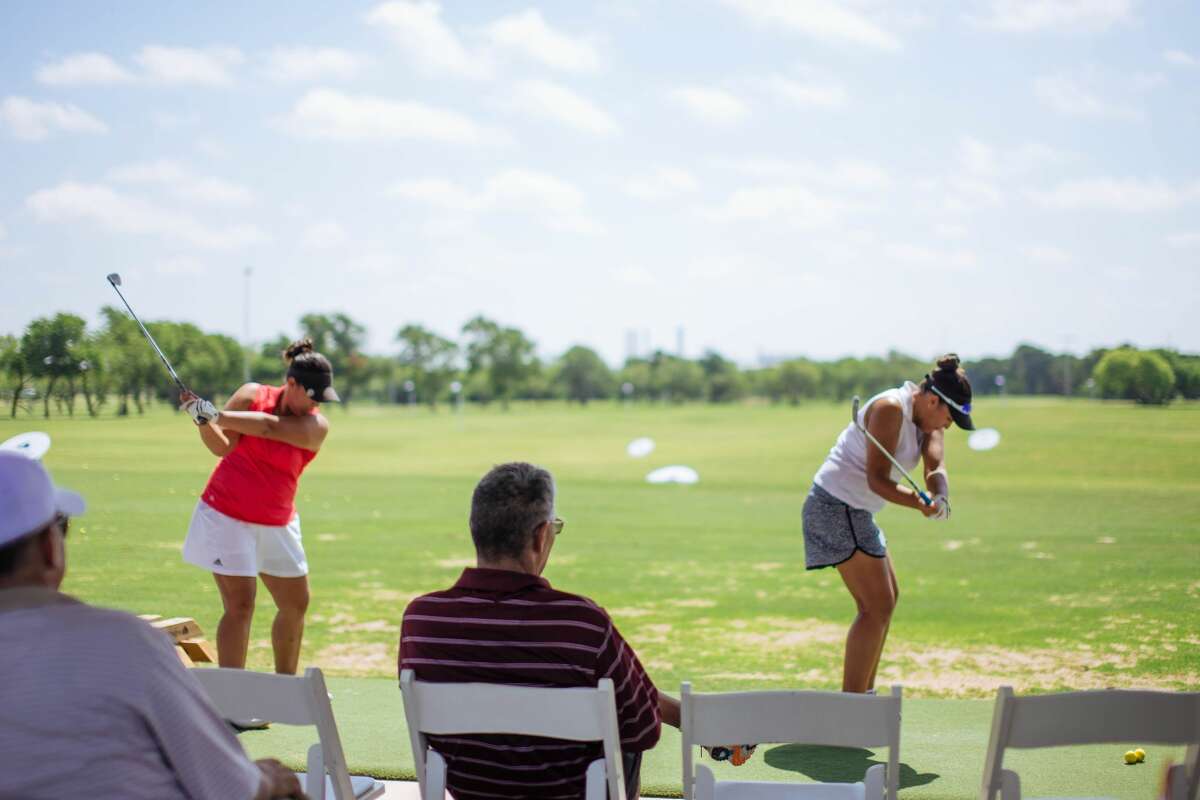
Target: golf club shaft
{"type": "Point", "coordinates": [925, 498]}
{"type": "Point", "coordinates": [149, 338]}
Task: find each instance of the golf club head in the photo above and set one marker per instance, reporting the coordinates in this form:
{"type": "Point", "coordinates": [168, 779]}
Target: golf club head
{"type": "Point", "coordinates": [114, 279]}
{"type": "Point", "coordinates": [854, 410]}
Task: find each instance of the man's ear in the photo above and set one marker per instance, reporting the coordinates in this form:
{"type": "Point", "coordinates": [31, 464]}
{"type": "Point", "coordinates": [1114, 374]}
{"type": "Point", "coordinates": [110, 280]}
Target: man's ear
{"type": "Point", "coordinates": [541, 538]}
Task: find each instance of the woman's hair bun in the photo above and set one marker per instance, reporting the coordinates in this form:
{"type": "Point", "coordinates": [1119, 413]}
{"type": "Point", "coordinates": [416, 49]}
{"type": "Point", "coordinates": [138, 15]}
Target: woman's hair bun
{"type": "Point", "coordinates": [297, 347]}
{"type": "Point", "coordinates": [948, 362]}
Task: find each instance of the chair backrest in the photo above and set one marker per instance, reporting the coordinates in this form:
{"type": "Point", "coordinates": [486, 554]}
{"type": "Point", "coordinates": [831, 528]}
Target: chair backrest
{"type": "Point", "coordinates": [838, 719]}
{"type": "Point", "coordinates": [1093, 717]}
{"type": "Point", "coordinates": [576, 714]}
{"type": "Point", "coordinates": [290, 700]}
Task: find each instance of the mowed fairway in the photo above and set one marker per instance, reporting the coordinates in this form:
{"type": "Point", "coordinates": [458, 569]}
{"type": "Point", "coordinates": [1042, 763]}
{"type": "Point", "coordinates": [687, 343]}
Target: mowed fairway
{"type": "Point", "coordinates": [1072, 559]}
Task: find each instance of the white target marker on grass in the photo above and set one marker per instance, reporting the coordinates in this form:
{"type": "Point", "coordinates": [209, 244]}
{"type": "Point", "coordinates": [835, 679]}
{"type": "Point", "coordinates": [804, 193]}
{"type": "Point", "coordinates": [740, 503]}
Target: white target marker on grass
{"type": "Point", "coordinates": [676, 473]}
{"type": "Point", "coordinates": [33, 444]}
{"type": "Point", "coordinates": [983, 439]}
{"type": "Point", "coordinates": [640, 447]}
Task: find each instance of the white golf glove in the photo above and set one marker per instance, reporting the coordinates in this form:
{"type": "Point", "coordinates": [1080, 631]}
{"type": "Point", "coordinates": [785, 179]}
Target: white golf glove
{"type": "Point", "coordinates": [943, 507]}
{"type": "Point", "coordinates": [200, 410]}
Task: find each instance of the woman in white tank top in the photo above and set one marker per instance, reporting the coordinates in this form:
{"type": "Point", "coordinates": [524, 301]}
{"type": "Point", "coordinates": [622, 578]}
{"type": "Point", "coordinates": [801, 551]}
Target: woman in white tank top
{"type": "Point", "coordinates": [857, 480]}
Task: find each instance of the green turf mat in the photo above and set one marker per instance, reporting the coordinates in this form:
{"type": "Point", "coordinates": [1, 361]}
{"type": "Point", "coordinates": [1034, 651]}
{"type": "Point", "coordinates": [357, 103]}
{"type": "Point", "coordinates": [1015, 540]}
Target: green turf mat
{"type": "Point", "coordinates": [942, 748]}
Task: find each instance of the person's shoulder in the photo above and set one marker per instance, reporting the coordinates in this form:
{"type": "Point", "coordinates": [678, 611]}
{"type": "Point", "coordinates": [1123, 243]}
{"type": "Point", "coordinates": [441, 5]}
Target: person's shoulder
{"type": "Point", "coordinates": [581, 605]}
{"type": "Point", "coordinates": [429, 599]}
{"type": "Point", "coordinates": [111, 630]}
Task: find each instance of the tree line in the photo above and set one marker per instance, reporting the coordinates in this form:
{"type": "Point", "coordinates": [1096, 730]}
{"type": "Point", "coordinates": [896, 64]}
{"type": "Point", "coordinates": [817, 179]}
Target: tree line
{"type": "Point", "coordinates": [58, 363]}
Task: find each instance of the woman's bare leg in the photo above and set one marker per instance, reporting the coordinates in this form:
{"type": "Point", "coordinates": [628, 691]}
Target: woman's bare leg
{"type": "Point", "coordinates": [287, 631]}
{"type": "Point", "coordinates": [870, 583]}
{"type": "Point", "coordinates": [895, 601]}
{"type": "Point", "coordinates": [233, 631]}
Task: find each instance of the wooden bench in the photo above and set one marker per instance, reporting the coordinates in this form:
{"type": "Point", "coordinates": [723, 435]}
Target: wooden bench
{"type": "Point", "coordinates": [189, 640]}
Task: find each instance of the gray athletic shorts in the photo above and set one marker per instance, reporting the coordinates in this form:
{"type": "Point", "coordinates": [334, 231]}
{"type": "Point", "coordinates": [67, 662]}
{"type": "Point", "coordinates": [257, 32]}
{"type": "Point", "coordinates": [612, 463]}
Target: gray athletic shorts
{"type": "Point", "coordinates": [833, 531]}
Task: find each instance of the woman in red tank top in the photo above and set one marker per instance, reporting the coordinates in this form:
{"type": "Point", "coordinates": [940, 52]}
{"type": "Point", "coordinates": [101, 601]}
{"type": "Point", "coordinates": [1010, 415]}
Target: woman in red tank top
{"type": "Point", "coordinates": [245, 525]}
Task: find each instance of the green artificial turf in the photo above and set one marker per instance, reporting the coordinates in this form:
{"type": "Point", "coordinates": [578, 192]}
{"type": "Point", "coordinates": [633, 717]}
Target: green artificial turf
{"type": "Point", "coordinates": [943, 744]}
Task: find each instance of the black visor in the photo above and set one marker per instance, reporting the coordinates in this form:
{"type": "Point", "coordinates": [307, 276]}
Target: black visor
{"type": "Point", "coordinates": [317, 384]}
{"type": "Point", "coordinates": [950, 391]}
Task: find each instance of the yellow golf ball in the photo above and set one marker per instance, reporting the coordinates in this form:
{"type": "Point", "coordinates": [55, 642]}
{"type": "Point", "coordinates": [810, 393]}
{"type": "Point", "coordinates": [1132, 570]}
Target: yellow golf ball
{"type": "Point", "coordinates": [1130, 757]}
{"type": "Point", "coordinates": [1141, 754]}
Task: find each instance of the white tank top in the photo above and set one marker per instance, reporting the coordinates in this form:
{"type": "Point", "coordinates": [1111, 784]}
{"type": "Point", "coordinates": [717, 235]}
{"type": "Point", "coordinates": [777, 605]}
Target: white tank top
{"type": "Point", "coordinates": [844, 473]}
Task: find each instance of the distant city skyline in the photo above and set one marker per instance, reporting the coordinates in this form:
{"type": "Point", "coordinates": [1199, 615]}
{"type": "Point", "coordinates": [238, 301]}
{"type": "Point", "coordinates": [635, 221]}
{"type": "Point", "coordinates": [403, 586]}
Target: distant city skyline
{"type": "Point", "coordinates": [791, 177]}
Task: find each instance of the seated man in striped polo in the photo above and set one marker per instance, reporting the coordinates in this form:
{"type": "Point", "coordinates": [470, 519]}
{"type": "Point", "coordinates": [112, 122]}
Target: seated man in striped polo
{"type": "Point", "coordinates": [503, 623]}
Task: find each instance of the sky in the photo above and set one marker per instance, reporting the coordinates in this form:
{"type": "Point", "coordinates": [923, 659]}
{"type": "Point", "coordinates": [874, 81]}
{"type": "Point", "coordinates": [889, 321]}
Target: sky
{"type": "Point", "coordinates": [768, 177]}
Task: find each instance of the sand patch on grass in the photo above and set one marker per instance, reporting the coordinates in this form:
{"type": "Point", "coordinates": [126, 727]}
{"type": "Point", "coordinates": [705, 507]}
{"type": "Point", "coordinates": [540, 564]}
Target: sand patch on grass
{"type": "Point", "coordinates": [979, 671]}
{"type": "Point", "coordinates": [358, 660]}
{"type": "Point", "coordinates": [630, 612]}
{"type": "Point", "coordinates": [370, 626]}
{"type": "Point", "coordinates": [768, 566]}
{"type": "Point", "coordinates": [775, 634]}
{"type": "Point", "coordinates": [455, 563]}
{"type": "Point", "coordinates": [694, 602]}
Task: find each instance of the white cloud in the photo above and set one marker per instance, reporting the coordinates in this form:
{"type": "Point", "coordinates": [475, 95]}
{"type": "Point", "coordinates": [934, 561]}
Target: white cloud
{"type": "Point", "coordinates": [555, 202]}
{"type": "Point", "coordinates": [1047, 255]}
{"type": "Point", "coordinates": [180, 265]}
{"type": "Point", "coordinates": [312, 63]}
{"type": "Point", "coordinates": [985, 160]}
{"type": "Point", "coordinates": [1028, 16]}
{"type": "Point", "coordinates": [913, 255]}
{"type": "Point", "coordinates": [951, 230]}
{"type": "Point", "coordinates": [634, 276]}
{"type": "Point", "coordinates": [184, 183]}
{"type": "Point", "coordinates": [83, 69]}
{"type": "Point", "coordinates": [661, 184]}
{"type": "Point", "coordinates": [188, 65]}
{"type": "Point", "coordinates": [438, 193]}
{"type": "Point", "coordinates": [716, 106]}
{"type": "Point", "coordinates": [824, 20]}
{"type": "Point", "coordinates": [806, 94]}
{"type": "Point", "coordinates": [324, 235]}
{"type": "Point", "coordinates": [528, 34]}
{"type": "Point", "coordinates": [1180, 58]}
{"type": "Point", "coordinates": [330, 114]}
{"type": "Point", "coordinates": [418, 29]}
{"type": "Point", "coordinates": [32, 121]}
{"type": "Point", "coordinates": [557, 103]}
{"type": "Point", "coordinates": [1190, 239]}
{"type": "Point", "coordinates": [120, 213]}
{"type": "Point", "coordinates": [1130, 195]}
{"type": "Point", "coordinates": [1068, 96]}
{"type": "Point", "coordinates": [791, 205]}
{"type": "Point", "coordinates": [839, 174]}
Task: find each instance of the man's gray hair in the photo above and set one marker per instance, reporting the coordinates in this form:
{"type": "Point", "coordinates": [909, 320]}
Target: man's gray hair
{"type": "Point", "coordinates": [507, 506]}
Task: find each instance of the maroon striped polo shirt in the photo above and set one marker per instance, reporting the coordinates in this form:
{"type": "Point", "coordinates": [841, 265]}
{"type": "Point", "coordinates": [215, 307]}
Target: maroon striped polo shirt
{"type": "Point", "coordinates": [498, 626]}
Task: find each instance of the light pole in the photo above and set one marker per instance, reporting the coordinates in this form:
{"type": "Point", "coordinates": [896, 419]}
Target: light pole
{"type": "Point", "coordinates": [246, 327]}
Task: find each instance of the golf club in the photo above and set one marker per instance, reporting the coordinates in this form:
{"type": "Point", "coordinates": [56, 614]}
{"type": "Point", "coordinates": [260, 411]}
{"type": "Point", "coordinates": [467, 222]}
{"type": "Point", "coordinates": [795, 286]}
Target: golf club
{"type": "Point", "coordinates": [925, 498]}
{"type": "Point", "coordinates": [115, 280]}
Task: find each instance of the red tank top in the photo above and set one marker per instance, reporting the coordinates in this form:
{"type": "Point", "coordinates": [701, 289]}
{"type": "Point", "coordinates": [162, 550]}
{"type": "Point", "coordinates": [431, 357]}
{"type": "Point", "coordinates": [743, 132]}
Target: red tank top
{"type": "Point", "coordinates": [256, 482]}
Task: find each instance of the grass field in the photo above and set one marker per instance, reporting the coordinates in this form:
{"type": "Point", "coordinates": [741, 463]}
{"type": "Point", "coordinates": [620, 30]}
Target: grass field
{"type": "Point", "coordinates": [1071, 559]}
{"type": "Point", "coordinates": [1070, 562]}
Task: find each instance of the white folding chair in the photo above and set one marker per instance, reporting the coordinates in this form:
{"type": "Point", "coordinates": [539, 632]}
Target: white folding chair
{"type": "Point", "coordinates": [1107, 716]}
{"type": "Point", "coordinates": [292, 700]}
{"type": "Point", "coordinates": [575, 714]}
{"type": "Point", "coordinates": [838, 719]}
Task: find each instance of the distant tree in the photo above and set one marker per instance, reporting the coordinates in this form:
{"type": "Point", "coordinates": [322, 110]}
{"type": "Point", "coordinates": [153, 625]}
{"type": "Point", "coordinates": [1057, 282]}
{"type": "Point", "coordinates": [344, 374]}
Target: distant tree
{"type": "Point", "coordinates": [130, 362]}
{"type": "Point", "coordinates": [1131, 374]}
{"type": "Point", "coordinates": [637, 373]}
{"type": "Point", "coordinates": [49, 348]}
{"type": "Point", "coordinates": [1187, 372]}
{"type": "Point", "coordinates": [14, 370]}
{"type": "Point", "coordinates": [676, 379]}
{"type": "Point", "coordinates": [584, 376]}
{"type": "Point", "coordinates": [503, 356]}
{"type": "Point", "coordinates": [723, 381]}
{"type": "Point", "coordinates": [267, 364]}
{"type": "Point", "coordinates": [429, 361]}
{"type": "Point", "coordinates": [340, 339]}
{"type": "Point", "coordinates": [795, 380]}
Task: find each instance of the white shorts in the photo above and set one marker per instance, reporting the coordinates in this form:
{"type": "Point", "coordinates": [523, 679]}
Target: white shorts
{"type": "Point", "coordinates": [228, 546]}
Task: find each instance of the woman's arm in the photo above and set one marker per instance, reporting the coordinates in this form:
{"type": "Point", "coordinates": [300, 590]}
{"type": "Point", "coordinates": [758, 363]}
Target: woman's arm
{"type": "Point", "coordinates": [220, 442]}
{"type": "Point", "coordinates": [884, 418]}
{"type": "Point", "coordinates": [307, 432]}
{"type": "Point", "coordinates": [933, 453]}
